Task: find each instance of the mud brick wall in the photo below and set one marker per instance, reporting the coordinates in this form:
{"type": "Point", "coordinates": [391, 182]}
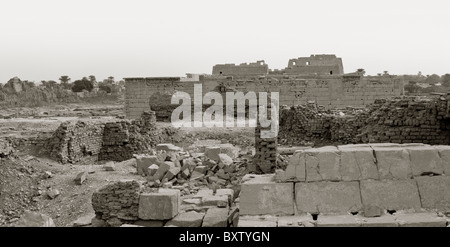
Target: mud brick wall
{"type": "Point", "coordinates": [329, 91]}
{"type": "Point", "coordinates": [117, 201]}
{"type": "Point", "coordinates": [366, 179]}
{"type": "Point", "coordinates": [76, 140]}
{"type": "Point", "coordinates": [93, 140]}
{"type": "Point", "coordinates": [265, 158]}
{"type": "Point", "coordinates": [397, 120]}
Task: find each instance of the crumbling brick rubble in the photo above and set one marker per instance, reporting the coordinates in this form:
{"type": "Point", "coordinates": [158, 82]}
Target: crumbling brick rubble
{"type": "Point", "coordinates": [117, 201]}
{"type": "Point", "coordinates": [398, 120]}
{"type": "Point", "coordinates": [92, 140]}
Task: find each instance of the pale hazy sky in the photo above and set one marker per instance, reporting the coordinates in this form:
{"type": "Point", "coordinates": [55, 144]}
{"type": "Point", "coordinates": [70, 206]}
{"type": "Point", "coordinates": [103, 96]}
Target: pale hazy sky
{"type": "Point", "coordinates": [42, 40]}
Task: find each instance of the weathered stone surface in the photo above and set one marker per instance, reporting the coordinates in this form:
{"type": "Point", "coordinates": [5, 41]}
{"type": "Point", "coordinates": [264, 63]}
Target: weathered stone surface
{"type": "Point", "coordinates": [372, 211]}
{"type": "Point", "coordinates": [151, 170]}
{"type": "Point", "coordinates": [34, 219]}
{"type": "Point", "coordinates": [328, 197]}
{"type": "Point", "coordinates": [257, 221]}
{"type": "Point", "coordinates": [337, 220]}
{"type": "Point", "coordinates": [444, 153]}
{"type": "Point", "coordinates": [420, 220]}
{"type": "Point", "coordinates": [109, 166]}
{"type": "Point", "coordinates": [434, 192]}
{"type": "Point", "coordinates": [187, 219]}
{"type": "Point", "coordinates": [393, 163]}
{"type": "Point", "coordinates": [224, 160]}
{"type": "Point", "coordinates": [261, 195]}
{"type": "Point", "coordinates": [162, 169]}
{"type": "Point", "coordinates": [348, 167]}
{"type": "Point", "coordinates": [83, 221]}
{"type": "Point", "coordinates": [81, 177]}
{"type": "Point", "coordinates": [144, 161]}
{"type": "Point", "coordinates": [149, 223]}
{"type": "Point", "coordinates": [382, 221]}
{"type": "Point", "coordinates": [322, 164]}
{"type": "Point", "coordinates": [53, 193]}
{"type": "Point", "coordinates": [296, 169]}
{"type": "Point", "coordinates": [212, 153]}
{"type": "Point", "coordinates": [161, 205]}
{"type": "Point", "coordinates": [390, 194]}
{"type": "Point", "coordinates": [171, 173]}
{"type": "Point", "coordinates": [227, 192]}
{"type": "Point", "coordinates": [215, 200]}
{"type": "Point", "coordinates": [216, 217]}
{"type": "Point", "coordinates": [425, 160]}
{"type": "Point", "coordinates": [296, 221]}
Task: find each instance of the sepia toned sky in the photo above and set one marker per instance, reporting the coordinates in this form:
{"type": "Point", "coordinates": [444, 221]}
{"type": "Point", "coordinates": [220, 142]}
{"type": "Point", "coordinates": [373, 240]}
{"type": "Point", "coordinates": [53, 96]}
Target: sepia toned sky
{"type": "Point", "coordinates": [42, 40]}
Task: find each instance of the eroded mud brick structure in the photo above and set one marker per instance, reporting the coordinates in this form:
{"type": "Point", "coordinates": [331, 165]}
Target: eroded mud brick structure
{"type": "Point", "coordinates": [265, 158]}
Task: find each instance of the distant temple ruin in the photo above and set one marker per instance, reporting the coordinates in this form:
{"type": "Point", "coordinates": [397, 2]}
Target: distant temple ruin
{"type": "Point", "coordinates": [317, 78]}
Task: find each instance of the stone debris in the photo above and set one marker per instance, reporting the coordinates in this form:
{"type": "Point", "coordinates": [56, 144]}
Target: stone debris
{"type": "Point", "coordinates": [109, 166]}
{"type": "Point", "coordinates": [83, 221]}
{"type": "Point", "coordinates": [53, 193]}
{"type": "Point", "coordinates": [34, 219]}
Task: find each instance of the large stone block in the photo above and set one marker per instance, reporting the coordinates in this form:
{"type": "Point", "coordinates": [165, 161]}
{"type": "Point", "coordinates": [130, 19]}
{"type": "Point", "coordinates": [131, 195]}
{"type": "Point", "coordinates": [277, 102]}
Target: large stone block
{"type": "Point", "coordinates": [390, 194]}
{"type": "Point", "coordinates": [393, 163]}
{"type": "Point", "coordinates": [322, 164]}
{"type": "Point", "coordinates": [261, 195]}
{"type": "Point", "coordinates": [357, 159]}
{"type": "Point", "coordinates": [328, 197]}
{"type": "Point", "coordinates": [434, 192]}
{"type": "Point", "coordinates": [216, 217]}
{"type": "Point", "coordinates": [444, 153]}
{"type": "Point", "coordinates": [144, 161]}
{"type": "Point", "coordinates": [161, 205]}
{"type": "Point", "coordinates": [425, 160]}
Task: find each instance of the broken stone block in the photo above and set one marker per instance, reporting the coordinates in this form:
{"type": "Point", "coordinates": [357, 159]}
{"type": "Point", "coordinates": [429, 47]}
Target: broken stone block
{"type": "Point", "coordinates": [109, 166]}
{"type": "Point", "coordinates": [214, 200]}
{"type": "Point", "coordinates": [172, 172]}
{"type": "Point", "coordinates": [201, 169]}
{"type": "Point", "coordinates": [420, 220]}
{"type": "Point", "coordinates": [366, 162]}
{"type": "Point", "coordinates": [162, 169]}
{"type": "Point", "coordinates": [34, 219]}
{"type": "Point", "coordinates": [257, 221]}
{"type": "Point", "coordinates": [203, 192]}
{"type": "Point", "coordinates": [322, 164]}
{"type": "Point", "coordinates": [53, 193]}
{"type": "Point", "coordinates": [221, 174]}
{"type": "Point", "coordinates": [216, 217]}
{"type": "Point", "coordinates": [83, 221]}
{"type": "Point", "coordinates": [144, 161]}
{"type": "Point", "coordinates": [393, 163]}
{"type": "Point", "coordinates": [260, 194]}
{"type": "Point", "coordinates": [151, 170]}
{"type": "Point", "coordinates": [425, 160]}
{"type": "Point", "coordinates": [224, 160]}
{"type": "Point", "coordinates": [228, 192]}
{"type": "Point", "coordinates": [434, 192]}
{"type": "Point", "coordinates": [187, 219]}
{"type": "Point", "coordinates": [230, 150]}
{"type": "Point", "coordinates": [390, 194]}
{"type": "Point", "coordinates": [337, 221]}
{"type": "Point", "coordinates": [81, 177]}
{"type": "Point", "coordinates": [230, 169]}
{"type": "Point", "coordinates": [296, 169]}
{"type": "Point", "coordinates": [185, 174]}
{"type": "Point", "coordinates": [382, 221]}
{"type": "Point", "coordinates": [328, 197]}
{"type": "Point", "coordinates": [212, 153]}
{"type": "Point", "coordinates": [161, 205]}
{"type": "Point", "coordinates": [197, 175]}
{"type": "Point", "coordinates": [195, 201]}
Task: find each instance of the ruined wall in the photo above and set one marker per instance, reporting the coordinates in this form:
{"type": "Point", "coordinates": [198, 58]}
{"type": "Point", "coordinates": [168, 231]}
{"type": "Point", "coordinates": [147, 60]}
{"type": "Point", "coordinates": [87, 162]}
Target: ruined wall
{"type": "Point", "coordinates": [319, 64]}
{"type": "Point", "coordinates": [329, 91]}
{"type": "Point", "coordinates": [398, 120]}
{"type": "Point", "coordinates": [258, 68]}
{"type": "Point", "coordinates": [90, 141]}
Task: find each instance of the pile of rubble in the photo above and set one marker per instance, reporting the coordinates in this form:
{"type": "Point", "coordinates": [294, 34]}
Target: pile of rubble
{"type": "Point", "coordinates": [6, 148]}
{"type": "Point", "coordinates": [171, 167]}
